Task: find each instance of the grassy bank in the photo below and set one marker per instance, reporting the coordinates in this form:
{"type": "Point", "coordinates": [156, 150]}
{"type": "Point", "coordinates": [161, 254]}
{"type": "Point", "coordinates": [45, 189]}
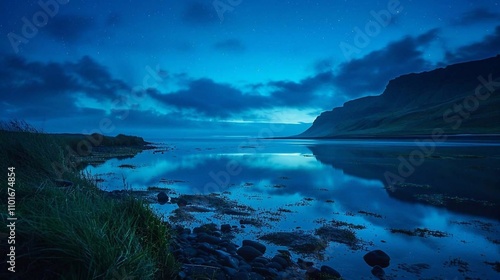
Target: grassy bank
{"type": "Point", "coordinates": [75, 232]}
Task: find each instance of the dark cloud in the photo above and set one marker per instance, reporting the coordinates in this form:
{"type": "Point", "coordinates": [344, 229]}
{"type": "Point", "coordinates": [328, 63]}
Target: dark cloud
{"type": "Point", "coordinates": [41, 90]}
{"type": "Point", "coordinates": [490, 46]}
{"type": "Point", "coordinates": [302, 93]}
{"type": "Point", "coordinates": [478, 15]}
{"type": "Point", "coordinates": [96, 78]}
{"type": "Point", "coordinates": [231, 45]}
{"type": "Point", "coordinates": [69, 28]}
{"type": "Point", "coordinates": [371, 73]}
{"type": "Point", "coordinates": [216, 100]}
{"type": "Point", "coordinates": [212, 99]}
{"type": "Point", "coordinates": [199, 13]}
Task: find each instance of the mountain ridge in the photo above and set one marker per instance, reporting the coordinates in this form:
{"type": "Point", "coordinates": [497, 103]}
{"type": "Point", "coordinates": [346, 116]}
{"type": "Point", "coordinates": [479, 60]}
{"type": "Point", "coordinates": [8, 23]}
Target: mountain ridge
{"type": "Point", "coordinates": [418, 103]}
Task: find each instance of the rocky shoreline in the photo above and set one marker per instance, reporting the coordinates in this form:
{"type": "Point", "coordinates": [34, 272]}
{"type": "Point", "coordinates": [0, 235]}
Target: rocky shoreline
{"type": "Point", "coordinates": [206, 252]}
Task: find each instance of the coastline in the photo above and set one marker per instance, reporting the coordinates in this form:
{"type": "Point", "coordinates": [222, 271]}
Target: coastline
{"type": "Point", "coordinates": [452, 137]}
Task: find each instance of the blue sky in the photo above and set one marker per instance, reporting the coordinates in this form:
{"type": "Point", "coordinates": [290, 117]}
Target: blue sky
{"type": "Point", "coordinates": [223, 67]}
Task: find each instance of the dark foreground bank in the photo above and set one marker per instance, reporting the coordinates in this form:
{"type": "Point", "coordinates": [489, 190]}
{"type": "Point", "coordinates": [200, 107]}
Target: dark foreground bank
{"type": "Point", "coordinates": [62, 225]}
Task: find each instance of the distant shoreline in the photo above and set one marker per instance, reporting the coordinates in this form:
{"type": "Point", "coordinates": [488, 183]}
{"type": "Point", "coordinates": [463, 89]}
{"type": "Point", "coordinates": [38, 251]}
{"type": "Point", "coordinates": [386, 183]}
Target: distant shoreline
{"type": "Point", "coordinates": [481, 137]}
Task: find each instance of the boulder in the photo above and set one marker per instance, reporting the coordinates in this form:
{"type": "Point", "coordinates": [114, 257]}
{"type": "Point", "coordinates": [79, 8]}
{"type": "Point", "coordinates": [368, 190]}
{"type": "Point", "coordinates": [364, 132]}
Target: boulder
{"type": "Point", "coordinates": [378, 272]}
{"type": "Point", "coordinates": [329, 272]}
{"type": "Point", "coordinates": [248, 253]}
{"type": "Point", "coordinates": [377, 257]}
{"type": "Point", "coordinates": [259, 246]}
{"type": "Point", "coordinates": [162, 198]}
{"type": "Point", "coordinates": [225, 228]}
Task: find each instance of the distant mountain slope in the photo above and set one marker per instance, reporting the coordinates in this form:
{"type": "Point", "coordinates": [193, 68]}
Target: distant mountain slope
{"type": "Point", "coordinates": [416, 104]}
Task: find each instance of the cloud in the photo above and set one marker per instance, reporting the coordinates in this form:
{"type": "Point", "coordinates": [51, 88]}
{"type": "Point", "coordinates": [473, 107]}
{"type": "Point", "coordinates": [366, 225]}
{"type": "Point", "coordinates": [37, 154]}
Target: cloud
{"type": "Point", "coordinates": [97, 79]}
{"type": "Point", "coordinates": [211, 99]}
{"type": "Point", "coordinates": [230, 45]}
{"type": "Point", "coordinates": [69, 28]}
{"type": "Point", "coordinates": [302, 93]}
{"type": "Point", "coordinates": [478, 15]}
{"type": "Point", "coordinates": [488, 47]}
{"type": "Point", "coordinates": [43, 90]}
{"type": "Point", "coordinates": [199, 13]}
{"type": "Point", "coordinates": [371, 73]}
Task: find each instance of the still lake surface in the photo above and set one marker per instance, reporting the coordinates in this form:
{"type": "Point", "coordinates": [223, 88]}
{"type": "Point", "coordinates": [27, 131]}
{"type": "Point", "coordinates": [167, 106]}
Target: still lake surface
{"type": "Point", "coordinates": [455, 190]}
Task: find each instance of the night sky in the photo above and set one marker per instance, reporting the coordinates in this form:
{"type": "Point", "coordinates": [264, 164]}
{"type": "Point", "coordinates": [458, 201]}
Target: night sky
{"type": "Point", "coordinates": [223, 67]}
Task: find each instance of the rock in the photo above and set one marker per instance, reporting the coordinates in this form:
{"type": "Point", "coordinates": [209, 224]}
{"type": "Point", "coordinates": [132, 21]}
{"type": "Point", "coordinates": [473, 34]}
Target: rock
{"type": "Point", "coordinates": [275, 265]}
{"type": "Point", "coordinates": [304, 264]}
{"type": "Point", "coordinates": [240, 276]}
{"type": "Point", "coordinates": [329, 272]}
{"type": "Point", "coordinates": [206, 247]}
{"type": "Point", "coordinates": [206, 228]}
{"type": "Point", "coordinates": [258, 264]}
{"type": "Point", "coordinates": [230, 271]}
{"type": "Point", "coordinates": [190, 252]}
{"type": "Point", "coordinates": [267, 273]}
{"type": "Point", "coordinates": [378, 272]}
{"type": "Point", "coordinates": [377, 257]}
{"type": "Point", "coordinates": [281, 260]}
{"type": "Point", "coordinates": [248, 253]}
{"type": "Point", "coordinates": [203, 237]}
{"type": "Point", "coordinates": [255, 276]}
{"type": "Point", "coordinates": [313, 273]}
{"type": "Point", "coordinates": [259, 246]}
{"type": "Point", "coordinates": [298, 242]}
{"type": "Point", "coordinates": [261, 260]}
{"type": "Point", "coordinates": [181, 202]}
{"type": "Point", "coordinates": [197, 260]}
{"type": "Point", "coordinates": [163, 198]}
{"type": "Point", "coordinates": [225, 228]}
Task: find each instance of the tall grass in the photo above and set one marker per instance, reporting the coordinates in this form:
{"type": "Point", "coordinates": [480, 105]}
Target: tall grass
{"type": "Point", "coordinates": [76, 232]}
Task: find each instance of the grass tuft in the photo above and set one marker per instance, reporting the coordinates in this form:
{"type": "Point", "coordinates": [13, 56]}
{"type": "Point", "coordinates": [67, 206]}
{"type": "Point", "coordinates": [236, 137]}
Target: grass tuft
{"type": "Point", "coordinates": [76, 232]}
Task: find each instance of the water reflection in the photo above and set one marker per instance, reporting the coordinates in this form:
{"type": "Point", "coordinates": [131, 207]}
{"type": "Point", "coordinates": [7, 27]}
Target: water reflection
{"type": "Point", "coordinates": [320, 181]}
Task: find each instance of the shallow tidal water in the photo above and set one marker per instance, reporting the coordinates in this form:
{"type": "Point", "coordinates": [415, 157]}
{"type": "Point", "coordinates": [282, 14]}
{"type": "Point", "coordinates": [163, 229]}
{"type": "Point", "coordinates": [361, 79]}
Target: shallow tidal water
{"type": "Point", "coordinates": [300, 185]}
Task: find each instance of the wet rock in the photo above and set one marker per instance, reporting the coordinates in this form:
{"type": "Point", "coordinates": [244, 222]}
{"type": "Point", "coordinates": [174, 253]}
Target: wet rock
{"type": "Point", "coordinates": [259, 246]}
{"type": "Point", "coordinates": [261, 260]}
{"type": "Point", "coordinates": [377, 257]}
{"type": "Point", "coordinates": [248, 253]}
{"type": "Point", "coordinates": [225, 228]}
{"type": "Point", "coordinates": [268, 273]}
{"type": "Point", "coordinates": [240, 276]}
{"type": "Point", "coordinates": [230, 271]}
{"type": "Point", "coordinates": [281, 260]}
{"type": "Point", "coordinates": [329, 272]}
{"type": "Point", "coordinates": [275, 265]}
{"type": "Point", "coordinates": [203, 237]}
{"type": "Point", "coordinates": [299, 242]}
{"type": "Point", "coordinates": [313, 273]}
{"type": "Point", "coordinates": [181, 202]}
{"type": "Point", "coordinates": [378, 272]}
{"type": "Point", "coordinates": [162, 198]}
{"type": "Point", "coordinates": [190, 252]}
{"type": "Point", "coordinates": [304, 264]}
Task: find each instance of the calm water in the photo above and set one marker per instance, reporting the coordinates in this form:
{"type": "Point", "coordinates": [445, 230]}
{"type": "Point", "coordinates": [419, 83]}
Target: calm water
{"type": "Point", "coordinates": [457, 192]}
